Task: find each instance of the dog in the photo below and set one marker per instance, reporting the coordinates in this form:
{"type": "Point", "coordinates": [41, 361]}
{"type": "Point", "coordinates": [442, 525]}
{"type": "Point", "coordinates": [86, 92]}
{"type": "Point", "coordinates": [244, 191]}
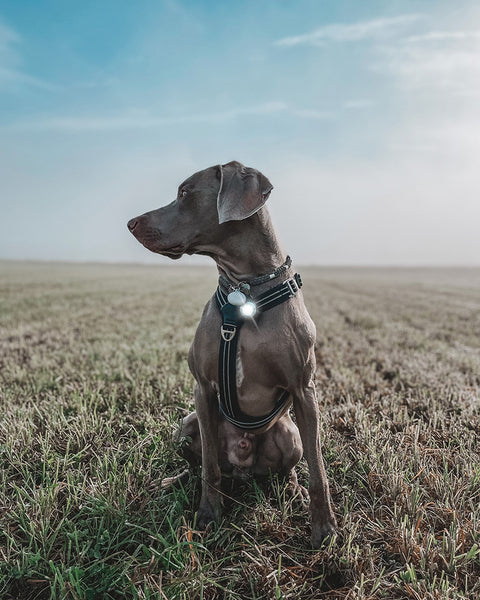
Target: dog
{"type": "Point", "coordinates": [220, 212]}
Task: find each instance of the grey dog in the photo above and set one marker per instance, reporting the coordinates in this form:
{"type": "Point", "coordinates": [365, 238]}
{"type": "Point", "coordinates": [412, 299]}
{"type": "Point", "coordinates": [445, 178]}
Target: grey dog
{"type": "Point", "coordinates": [220, 212]}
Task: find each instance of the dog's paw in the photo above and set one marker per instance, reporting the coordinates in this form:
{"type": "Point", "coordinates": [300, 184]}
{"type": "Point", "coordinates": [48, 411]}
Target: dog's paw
{"type": "Point", "coordinates": [323, 533]}
{"type": "Point", "coordinates": [208, 513]}
{"type": "Point", "coordinates": [176, 481]}
{"type": "Point", "coordinates": [297, 492]}
{"type": "Point", "coordinates": [167, 483]}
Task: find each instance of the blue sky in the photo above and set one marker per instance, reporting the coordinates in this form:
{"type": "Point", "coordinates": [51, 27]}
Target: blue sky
{"type": "Point", "coordinates": [364, 115]}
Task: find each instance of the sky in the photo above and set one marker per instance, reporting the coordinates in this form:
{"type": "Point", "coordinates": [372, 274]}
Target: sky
{"type": "Point", "coordinates": [365, 116]}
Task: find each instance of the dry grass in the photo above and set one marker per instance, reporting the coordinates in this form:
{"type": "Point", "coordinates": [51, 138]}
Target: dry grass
{"type": "Point", "coordinates": [93, 378]}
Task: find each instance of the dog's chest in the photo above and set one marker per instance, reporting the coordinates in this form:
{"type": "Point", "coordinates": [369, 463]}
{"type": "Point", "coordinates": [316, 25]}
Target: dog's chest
{"type": "Point", "coordinates": [239, 373]}
{"type": "Point", "coordinates": [270, 350]}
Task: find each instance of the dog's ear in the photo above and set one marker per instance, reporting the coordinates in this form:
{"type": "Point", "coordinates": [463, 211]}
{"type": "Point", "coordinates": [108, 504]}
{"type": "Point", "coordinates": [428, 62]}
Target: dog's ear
{"type": "Point", "coordinates": [243, 191]}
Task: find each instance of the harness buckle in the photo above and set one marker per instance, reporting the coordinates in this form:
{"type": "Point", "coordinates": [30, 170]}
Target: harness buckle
{"type": "Point", "coordinates": [292, 286]}
{"type": "Point", "coordinates": [228, 334]}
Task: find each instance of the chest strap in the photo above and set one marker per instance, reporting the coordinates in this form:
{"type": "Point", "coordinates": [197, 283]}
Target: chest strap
{"type": "Point", "coordinates": [232, 321]}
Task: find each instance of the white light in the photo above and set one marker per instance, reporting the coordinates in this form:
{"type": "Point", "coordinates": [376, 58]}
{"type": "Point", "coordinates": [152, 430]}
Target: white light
{"type": "Point", "coordinates": [248, 309]}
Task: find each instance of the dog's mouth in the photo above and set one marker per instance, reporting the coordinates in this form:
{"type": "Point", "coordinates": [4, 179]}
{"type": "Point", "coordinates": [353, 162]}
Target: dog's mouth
{"type": "Point", "coordinates": [172, 251]}
{"type": "Point", "coordinates": [154, 241]}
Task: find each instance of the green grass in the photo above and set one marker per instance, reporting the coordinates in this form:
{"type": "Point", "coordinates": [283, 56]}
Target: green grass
{"type": "Point", "coordinates": [93, 379]}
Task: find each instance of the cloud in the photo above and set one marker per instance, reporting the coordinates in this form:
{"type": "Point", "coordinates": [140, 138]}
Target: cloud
{"type": "Point", "coordinates": [308, 113]}
{"type": "Point", "coordinates": [357, 104]}
{"type": "Point", "coordinates": [142, 120]}
{"type": "Point", "coordinates": [441, 36]}
{"type": "Point", "coordinates": [350, 32]}
{"type": "Point", "coordinates": [9, 77]}
{"type": "Point", "coordinates": [138, 119]}
{"type": "Point", "coordinates": [8, 40]}
{"type": "Point", "coordinates": [436, 76]}
{"type": "Point", "coordinates": [11, 74]}
{"type": "Point", "coordinates": [435, 61]}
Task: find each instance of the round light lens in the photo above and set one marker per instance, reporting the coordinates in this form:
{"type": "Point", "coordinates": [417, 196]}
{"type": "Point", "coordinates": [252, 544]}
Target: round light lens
{"type": "Point", "coordinates": [248, 309]}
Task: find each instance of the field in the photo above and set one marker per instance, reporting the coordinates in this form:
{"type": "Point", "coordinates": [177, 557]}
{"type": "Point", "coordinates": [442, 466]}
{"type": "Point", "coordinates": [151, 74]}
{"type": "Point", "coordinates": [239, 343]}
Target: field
{"type": "Point", "coordinates": [94, 378]}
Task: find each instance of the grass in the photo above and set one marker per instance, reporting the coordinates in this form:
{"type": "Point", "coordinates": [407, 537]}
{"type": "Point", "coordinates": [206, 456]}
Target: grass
{"type": "Point", "coordinates": [93, 379]}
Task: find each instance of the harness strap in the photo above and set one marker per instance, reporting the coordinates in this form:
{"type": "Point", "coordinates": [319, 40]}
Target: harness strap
{"type": "Point", "coordinates": [268, 299]}
{"type": "Point", "coordinates": [232, 321]}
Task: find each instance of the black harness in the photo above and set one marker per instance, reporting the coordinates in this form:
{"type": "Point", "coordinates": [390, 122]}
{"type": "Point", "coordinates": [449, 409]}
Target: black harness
{"type": "Point", "coordinates": [232, 321]}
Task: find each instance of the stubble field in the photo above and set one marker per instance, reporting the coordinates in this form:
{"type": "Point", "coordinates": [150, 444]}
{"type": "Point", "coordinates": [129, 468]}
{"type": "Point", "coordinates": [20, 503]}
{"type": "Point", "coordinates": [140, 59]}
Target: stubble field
{"type": "Point", "coordinates": [93, 379]}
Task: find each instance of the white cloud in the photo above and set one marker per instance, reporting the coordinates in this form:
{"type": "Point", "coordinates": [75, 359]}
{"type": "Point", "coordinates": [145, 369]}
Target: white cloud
{"type": "Point", "coordinates": [438, 86]}
{"type": "Point", "coordinates": [454, 69]}
{"type": "Point", "coordinates": [351, 32]}
{"type": "Point", "coordinates": [308, 113]}
{"type": "Point", "coordinates": [8, 41]}
{"type": "Point", "coordinates": [435, 61]}
{"type": "Point", "coordinates": [137, 119]}
{"type": "Point", "coordinates": [357, 103]}
{"type": "Point", "coordinates": [14, 77]}
{"type": "Point", "coordinates": [441, 36]}
{"type": "Point", "coordinates": [11, 74]}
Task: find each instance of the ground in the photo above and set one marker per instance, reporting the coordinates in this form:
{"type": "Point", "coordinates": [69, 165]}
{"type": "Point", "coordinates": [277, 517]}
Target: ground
{"type": "Point", "coordinates": [93, 379]}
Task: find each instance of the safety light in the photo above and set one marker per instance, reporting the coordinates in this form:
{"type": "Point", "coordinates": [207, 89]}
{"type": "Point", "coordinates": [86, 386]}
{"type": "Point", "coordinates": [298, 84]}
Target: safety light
{"type": "Point", "coordinates": [248, 309]}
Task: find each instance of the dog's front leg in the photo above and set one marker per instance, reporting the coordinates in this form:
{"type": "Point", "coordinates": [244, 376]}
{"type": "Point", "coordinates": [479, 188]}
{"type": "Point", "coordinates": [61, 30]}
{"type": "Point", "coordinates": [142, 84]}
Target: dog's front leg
{"type": "Point", "coordinates": [210, 508]}
{"type": "Point", "coordinates": [321, 511]}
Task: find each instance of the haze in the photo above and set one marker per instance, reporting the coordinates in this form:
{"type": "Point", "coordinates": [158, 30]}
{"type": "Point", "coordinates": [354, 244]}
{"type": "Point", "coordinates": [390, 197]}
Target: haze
{"type": "Point", "coordinates": [364, 115]}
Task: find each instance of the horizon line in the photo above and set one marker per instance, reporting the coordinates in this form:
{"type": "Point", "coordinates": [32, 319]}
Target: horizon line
{"type": "Point", "coordinates": [203, 266]}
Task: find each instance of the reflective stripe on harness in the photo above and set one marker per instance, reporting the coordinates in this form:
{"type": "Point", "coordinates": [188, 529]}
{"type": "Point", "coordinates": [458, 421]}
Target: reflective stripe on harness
{"type": "Point", "coordinates": [232, 321]}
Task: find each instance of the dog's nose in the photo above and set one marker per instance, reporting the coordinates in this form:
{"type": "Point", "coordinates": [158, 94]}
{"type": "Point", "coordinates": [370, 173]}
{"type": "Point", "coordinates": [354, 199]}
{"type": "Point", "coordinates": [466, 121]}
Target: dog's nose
{"type": "Point", "coordinates": [132, 224]}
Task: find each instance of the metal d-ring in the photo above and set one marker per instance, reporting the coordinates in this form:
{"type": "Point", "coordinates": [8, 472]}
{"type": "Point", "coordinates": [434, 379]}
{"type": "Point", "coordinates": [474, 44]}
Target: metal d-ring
{"type": "Point", "coordinates": [228, 334]}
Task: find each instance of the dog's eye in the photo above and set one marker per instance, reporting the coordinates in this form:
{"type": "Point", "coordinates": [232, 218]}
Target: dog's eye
{"type": "Point", "coordinates": [183, 193]}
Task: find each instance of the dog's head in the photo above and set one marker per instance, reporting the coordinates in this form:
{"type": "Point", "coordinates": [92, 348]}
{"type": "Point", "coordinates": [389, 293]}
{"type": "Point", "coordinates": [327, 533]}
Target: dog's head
{"type": "Point", "coordinates": [208, 205]}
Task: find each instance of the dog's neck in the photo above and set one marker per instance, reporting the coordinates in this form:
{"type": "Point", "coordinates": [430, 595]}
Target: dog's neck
{"type": "Point", "coordinates": [252, 249]}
